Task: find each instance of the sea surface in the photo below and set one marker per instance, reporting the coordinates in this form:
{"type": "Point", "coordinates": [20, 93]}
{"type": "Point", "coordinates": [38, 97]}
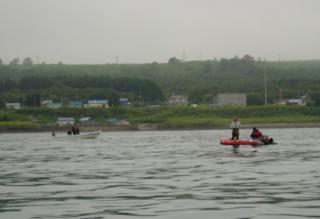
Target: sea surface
{"type": "Point", "coordinates": [160, 174]}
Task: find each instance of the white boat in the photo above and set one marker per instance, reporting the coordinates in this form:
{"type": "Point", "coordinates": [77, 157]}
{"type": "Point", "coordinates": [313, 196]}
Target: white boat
{"type": "Point", "coordinates": [84, 135]}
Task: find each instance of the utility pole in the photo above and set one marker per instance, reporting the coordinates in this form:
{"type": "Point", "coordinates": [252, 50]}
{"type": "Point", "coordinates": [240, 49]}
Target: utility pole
{"type": "Point", "coordinates": [265, 85]}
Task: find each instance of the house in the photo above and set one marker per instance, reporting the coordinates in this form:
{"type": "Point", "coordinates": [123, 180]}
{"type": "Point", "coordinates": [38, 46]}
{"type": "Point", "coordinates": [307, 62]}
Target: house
{"type": "Point", "coordinates": [97, 103]}
{"type": "Point", "coordinates": [231, 99]}
{"type": "Point", "coordinates": [178, 100]}
{"type": "Point", "coordinates": [62, 121]}
{"type": "Point", "coordinates": [45, 103]}
{"type": "Point", "coordinates": [302, 101]}
{"type": "Point", "coordinates": [112, 121]}
{"type": "Point", "coordinates": [13, 105]}
{"type": "Point", "coordinates": [280, 100]}
{"type": "Point", "coordinates": [75, 103]}
{"type": "Point", "coordinates": [124, 101]}
{"type": "Point", "coordinates": [87, 121]}
{"type": "Point", "coordinates": [54, 105]}
{"type": "Point", "coordinates": [117, 122]}
{"type": "Point", "coordinates": [51, 104]}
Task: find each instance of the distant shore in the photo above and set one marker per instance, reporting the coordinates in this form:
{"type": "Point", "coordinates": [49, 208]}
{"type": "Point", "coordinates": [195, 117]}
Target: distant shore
{"type": "Point", "coordinates": [161, 118]}
{"type": "Point", "coordinates": [160, 127]}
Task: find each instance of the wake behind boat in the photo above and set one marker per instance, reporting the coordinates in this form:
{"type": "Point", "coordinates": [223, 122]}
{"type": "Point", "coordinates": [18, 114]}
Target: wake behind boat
{"type": "Point", "coordinates": [84, 135]}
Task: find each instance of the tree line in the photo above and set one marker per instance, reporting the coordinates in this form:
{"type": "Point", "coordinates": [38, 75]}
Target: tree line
{"type": "Point", "coordinates": [199, 80]}
{"type": "Point", "coordinates": [29, 90]}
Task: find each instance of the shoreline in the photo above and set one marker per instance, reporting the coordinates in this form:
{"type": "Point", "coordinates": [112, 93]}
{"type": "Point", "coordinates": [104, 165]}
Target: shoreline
{"type": "Point", "coordinates": [161, 127]}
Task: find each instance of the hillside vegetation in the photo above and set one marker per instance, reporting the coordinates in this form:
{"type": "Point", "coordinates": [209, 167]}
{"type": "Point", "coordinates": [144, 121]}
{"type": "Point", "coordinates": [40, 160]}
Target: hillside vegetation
{"type": "Point", "coordinates": [199, 80]}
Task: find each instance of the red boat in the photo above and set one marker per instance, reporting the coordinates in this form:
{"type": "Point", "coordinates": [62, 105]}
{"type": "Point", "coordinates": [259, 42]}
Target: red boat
{"type": "Point", "coordinates": [253, 142]}
{"type": "Point", "coordinates": [228, 141]}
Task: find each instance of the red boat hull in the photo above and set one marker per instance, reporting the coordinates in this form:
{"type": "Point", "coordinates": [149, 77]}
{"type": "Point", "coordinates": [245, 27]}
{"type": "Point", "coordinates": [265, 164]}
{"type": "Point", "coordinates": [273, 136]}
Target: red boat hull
{"type": "Point", "coordinates": [228, 141]}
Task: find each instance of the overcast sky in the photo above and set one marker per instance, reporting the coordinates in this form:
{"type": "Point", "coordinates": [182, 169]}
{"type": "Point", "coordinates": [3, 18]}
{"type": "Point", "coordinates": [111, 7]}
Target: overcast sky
{"type": "Point", "coordinates": [138, 31]}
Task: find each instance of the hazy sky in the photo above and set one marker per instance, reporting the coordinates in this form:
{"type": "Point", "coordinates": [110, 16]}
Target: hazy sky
{"type": "Point", "coordinates": [96, 31]}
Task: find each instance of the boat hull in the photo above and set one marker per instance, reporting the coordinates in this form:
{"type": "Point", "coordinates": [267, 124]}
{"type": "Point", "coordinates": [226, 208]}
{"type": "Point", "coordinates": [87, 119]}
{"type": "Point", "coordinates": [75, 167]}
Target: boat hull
{"type": "Point", "coordinates": [228, 141]}
{"type": "Point", "coordinates": [252, 142]}
{"type": "Point", "coordinates": [87, 135]}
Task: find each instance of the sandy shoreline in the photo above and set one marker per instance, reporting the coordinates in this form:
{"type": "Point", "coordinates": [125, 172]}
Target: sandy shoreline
{"type": "Point", "coordinates": [155, 127]}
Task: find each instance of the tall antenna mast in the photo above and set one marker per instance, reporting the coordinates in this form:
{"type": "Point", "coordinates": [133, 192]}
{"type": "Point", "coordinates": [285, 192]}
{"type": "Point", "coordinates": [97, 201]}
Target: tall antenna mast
{"type": "Point", "coordinates": [265, 85]}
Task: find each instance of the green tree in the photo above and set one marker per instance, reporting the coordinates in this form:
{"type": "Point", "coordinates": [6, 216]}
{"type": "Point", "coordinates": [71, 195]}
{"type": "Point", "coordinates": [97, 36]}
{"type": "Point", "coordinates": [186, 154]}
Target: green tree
{"type": "Point", "coordinates": [1, 86]}
{"type": "Point", "coordinates": [32, 99]}
{"type": "Point", "coordinates": [113, 99]}
{"type": "Point", "coordinates": [248, 58]}
{"type": "Point", "coordinates": [173, 61]}
{"type": "Point", "coordinates": [255, 99]}
{"type": "Point", "coordinates": [2, 103]}
{"type": "Point", "coordinates": [15, 61]}
{"type": "Point", "coordinates": [9, 84]}
{"type": "Point", "coordinates": [208, 68]}
{"type": "Point", "coordinates": [27, 61]}
{"type": "Point", "coordinates": [28, 83]}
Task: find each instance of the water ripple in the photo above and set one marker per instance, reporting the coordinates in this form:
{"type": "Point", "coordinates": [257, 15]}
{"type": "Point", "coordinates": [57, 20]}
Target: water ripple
{"type": "Point", "coordinates": [177, 174]}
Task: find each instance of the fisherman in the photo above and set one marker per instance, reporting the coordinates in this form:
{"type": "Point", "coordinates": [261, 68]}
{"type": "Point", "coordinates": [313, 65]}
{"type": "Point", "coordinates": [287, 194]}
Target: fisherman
{"type": "Point", "coordinates": [235, 125]}
{"type": "Point", "coordinates": [256, 134]}
{"type": "Point", "coordinates": [77, 130]}
{"type": "Point", "coordinates": [73, 130]}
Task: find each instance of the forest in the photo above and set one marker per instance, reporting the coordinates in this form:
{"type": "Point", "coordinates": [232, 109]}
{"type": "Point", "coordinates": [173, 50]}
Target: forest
{"type": "Point", "coordinates": [152, 83]}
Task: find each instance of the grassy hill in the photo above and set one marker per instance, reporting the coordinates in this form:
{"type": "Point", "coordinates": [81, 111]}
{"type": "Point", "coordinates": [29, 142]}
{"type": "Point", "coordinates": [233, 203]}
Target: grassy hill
{"type": "Point", "coordinates": [200, 80]}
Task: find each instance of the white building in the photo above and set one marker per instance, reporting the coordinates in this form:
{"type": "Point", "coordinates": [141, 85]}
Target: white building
{"type": "Point", "coordinates": [231, 99]}
{"type": "Point", "coordinates": [44, 103]}
{"type": "Point", "coordinates": [97, 103]}
{"type": "Point", "coordinates": [62, 121]}
{"type": "Point", "coordinates": [299, 101]}
{"type": "Point", "coordinates": [178, 100]}
{"type": "Point", "coordinates": [54, 105]}
{"type": "Point", "coordinates": [87, 121]}
{"type": "Point", "coordinates": [13, 105]}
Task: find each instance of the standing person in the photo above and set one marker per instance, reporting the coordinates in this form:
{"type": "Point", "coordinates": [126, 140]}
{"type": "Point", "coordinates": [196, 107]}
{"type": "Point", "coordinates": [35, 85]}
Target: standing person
{"type": "Point", "coordinates": [235, 125]}
{"type": "Point", "coordinates": [77, 130]}
{"type": "Point", "coordinates": [74, 131]}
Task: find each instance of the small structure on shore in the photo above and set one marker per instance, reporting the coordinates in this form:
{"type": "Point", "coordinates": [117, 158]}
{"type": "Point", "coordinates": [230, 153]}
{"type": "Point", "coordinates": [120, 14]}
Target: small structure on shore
{"type": "Point", "coordinates": [97, 103]}
{"type": "Point", "coordinates": [87, 121]}
{"type": "Point", "coordinates": [54, 105]}
{"type": "Point", "coordinates": [13, 105]}
{"type": "Point", "coordinates": [75, 103]}
{"type": "Point", "coordinates": [62, 121]}
{"type": "Point", "coordinates": [124, 102]}
{"type": "Point", "coordinates": [231, 99]}
{"type": "Point", "coordinates": [51, 104]}
{"type": "Point", "coordinates": [178, 100]}
{"type": "Point", "coordinates": [302, 101]}
{"type": "Point", "coordinates": [117, 122]}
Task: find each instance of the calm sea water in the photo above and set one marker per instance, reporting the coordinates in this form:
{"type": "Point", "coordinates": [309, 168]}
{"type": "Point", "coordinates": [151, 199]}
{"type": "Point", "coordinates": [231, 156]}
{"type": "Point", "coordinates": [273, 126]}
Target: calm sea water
{"type": "Point", "coordinates": [163, 174]}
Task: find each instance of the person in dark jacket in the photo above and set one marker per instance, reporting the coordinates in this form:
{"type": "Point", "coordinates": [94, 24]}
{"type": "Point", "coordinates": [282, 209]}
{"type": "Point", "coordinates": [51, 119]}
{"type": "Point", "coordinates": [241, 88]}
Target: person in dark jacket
{"type": "Point", "coordinates": [256, 134]}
